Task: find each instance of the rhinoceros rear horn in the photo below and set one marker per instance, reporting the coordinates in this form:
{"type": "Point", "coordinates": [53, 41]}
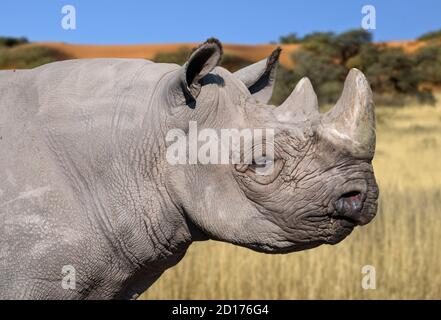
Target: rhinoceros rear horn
{"type": "Point", "coordinates": [301, 104]}
{"type": "Point", "coordinates": [201, 62]}
{"type": "Point", "coordinates": [351, 122]}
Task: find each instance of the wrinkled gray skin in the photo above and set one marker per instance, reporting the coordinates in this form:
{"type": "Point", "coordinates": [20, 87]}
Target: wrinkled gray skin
{"type": "Point", "coordinates": [84, 180]}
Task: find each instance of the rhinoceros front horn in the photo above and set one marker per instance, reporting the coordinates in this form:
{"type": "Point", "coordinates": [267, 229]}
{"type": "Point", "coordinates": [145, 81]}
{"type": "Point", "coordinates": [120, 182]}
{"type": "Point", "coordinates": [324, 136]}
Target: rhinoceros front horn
{"type": "Point", "coordinates": [351, 122]}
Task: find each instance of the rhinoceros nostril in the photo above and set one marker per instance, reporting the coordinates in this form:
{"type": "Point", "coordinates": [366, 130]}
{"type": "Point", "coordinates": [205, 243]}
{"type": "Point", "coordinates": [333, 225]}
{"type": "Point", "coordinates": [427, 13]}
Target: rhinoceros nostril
{"type": "Point", "coordinates": [351, 194]}
{"type": "Point", "coordinates": [349, 202]}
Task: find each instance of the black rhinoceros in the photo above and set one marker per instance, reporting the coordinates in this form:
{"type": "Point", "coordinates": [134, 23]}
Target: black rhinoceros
{"type": "Point", "coordinates": [86, 189]}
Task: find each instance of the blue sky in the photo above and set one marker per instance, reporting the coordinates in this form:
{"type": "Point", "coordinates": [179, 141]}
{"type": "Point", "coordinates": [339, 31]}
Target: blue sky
{"type": "Point", "coordinates": [239, 21]}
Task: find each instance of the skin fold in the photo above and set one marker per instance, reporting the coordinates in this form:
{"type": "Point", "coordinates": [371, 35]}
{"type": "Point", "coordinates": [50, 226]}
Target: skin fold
{"type": "Point", "coordinates": [84, 179]}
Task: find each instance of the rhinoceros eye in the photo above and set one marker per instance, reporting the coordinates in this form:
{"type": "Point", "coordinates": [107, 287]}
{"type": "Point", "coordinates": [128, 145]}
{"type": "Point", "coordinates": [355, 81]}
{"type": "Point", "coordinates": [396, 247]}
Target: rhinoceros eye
{"type": "Point", "coordinates": [264, 170]}
{"type": "Point", "coordinates": [261, 165]}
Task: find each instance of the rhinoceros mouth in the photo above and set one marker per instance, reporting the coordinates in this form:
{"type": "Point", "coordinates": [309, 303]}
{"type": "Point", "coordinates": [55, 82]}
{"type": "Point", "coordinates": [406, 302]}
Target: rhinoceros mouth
{"type": "Point", "coordinates": [344, 221]}
{"type": "Point", "coordinates": [341, 228]}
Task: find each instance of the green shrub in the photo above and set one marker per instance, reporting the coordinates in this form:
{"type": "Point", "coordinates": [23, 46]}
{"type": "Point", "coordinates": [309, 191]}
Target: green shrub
{"type": "Point", "coordinates": [430, 35]}
{"type": "Point", "coordinates": [290, 38]}
{"type": "Point", "coordinates": [26, 57]}
{"type": "Point", "coordinates": [428, 63]}
{"type": "Point", "coordinates": [285, 83]}
{"type": "Point", "coordinates": [233, 62]}
{"type": "Point", "coordinates": [12, 42]}
{"type": "Point", "coordinates": [351, 42]}
{"type": "Point", "coordinates": [395, 76]}
{"type": "Point", "coordinates": [324, 74]}
{"type": "Point", "coordinates": [321, 43]}
{"type": "Point", "coordinates": [179, 56]}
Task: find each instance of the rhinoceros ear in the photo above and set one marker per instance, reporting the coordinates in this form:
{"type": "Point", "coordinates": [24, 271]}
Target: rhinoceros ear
{"type": "Point", "coordinates": [260, 76]}
{"type": "Point", "coordinates": [203, 60]}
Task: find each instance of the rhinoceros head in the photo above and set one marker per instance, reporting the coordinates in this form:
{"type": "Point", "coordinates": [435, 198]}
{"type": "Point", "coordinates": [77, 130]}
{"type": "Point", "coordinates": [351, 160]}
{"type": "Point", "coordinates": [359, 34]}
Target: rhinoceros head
{"type": "Point", "coordinates": [321, 182]}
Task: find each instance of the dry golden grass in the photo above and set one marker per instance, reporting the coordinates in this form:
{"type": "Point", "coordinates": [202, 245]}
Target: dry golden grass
{"type": "Point", "coordinates": [403, 242]}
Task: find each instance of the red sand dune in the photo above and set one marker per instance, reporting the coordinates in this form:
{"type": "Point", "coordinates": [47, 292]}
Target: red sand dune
{"type": "Point", "coordinates": [148, 51]}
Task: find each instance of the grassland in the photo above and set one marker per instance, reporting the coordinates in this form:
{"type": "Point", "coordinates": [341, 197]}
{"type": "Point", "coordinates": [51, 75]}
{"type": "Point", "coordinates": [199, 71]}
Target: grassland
{"type": "Point", "coordinates": [403, 242]}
